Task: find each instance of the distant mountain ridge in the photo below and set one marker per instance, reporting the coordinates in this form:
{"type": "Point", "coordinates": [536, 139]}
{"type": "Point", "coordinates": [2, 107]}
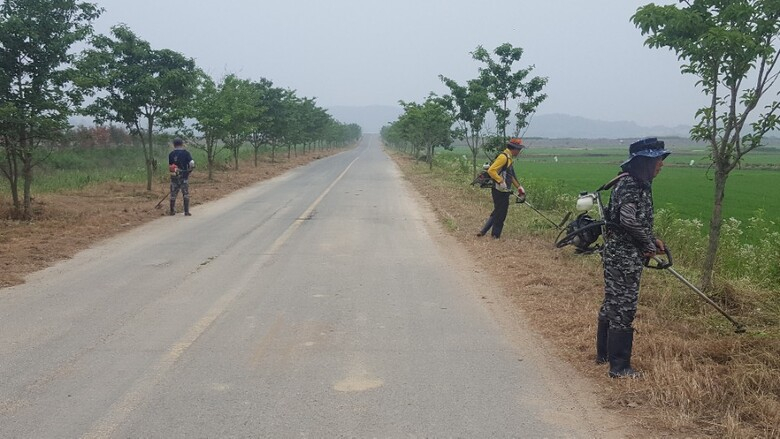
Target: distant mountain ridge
{"type": "Point", "coordinates": [576, 127]}
{"type": "Point", "coordinates": [373, 118]}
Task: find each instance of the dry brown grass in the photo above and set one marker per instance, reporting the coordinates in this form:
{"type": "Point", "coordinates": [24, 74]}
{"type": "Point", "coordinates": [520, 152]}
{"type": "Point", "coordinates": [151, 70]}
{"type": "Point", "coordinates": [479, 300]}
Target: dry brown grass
{"type": "Point", "coordinates": [701, 379]}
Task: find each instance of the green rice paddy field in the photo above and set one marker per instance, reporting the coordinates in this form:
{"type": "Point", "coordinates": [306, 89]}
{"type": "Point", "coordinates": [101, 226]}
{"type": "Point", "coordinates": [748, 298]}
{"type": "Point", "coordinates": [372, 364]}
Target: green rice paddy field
{"type": "Point", "coordinates": [683, 187]}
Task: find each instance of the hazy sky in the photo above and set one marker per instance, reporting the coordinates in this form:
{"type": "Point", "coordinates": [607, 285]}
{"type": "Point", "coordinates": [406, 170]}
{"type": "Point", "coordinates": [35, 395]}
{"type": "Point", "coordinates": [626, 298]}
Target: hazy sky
{"type": "Point", "coordinates": [370, 52]}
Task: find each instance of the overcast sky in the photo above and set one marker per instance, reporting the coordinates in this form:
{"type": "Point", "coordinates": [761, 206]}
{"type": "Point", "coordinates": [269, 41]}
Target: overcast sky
{"type": "Point", "coordinates": [372, 52]}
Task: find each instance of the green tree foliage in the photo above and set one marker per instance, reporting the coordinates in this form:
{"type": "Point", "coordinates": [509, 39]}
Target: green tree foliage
{"type": "Point", "coordinates": [426, 126]}
{"type": "Point", "coordinates": [207, 110]}
{"type": "Point", "coordinates": [509, 90]}
{"type": "Point", "coordinates": [340, 134]}
{"type": "Point", "coordinates": [732, 47]}
{"type": "Point", "coordinates": [470, 105]}
{"type": "Point", "coordinates": [36, 83]}
{"type": "Point", "coordinates": [138, 86]}
{"type": "Point", "coordinates": [314, 123]}
{"type": "Point", "coordinates": [238, 111]}
{"type": "Point", "coordinates": [238, 98]}
{"type": "Point", "coordinates": [266, 101]}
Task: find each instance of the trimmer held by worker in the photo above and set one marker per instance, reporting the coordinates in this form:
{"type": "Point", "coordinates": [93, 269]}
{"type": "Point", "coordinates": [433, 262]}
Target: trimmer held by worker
{"type": "Point", "coordinates": [503, 175]}
{"type": "Point", "coordinates": [180, 165]}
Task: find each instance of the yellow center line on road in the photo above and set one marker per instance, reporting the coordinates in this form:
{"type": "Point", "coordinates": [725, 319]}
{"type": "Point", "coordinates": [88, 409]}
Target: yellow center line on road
{"type": "Point", "coordinates": [147, 383]}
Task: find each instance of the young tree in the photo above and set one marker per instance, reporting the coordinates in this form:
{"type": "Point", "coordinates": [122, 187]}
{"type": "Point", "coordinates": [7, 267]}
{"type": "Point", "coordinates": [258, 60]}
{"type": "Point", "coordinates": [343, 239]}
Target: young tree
{"type": "Point", "coordinates": [237, 98]}
{"type": "Point", "coordinates": [36, 83]}
{"type": "Point", "coordinates": [139, 87]}
{"type": "Point", "coordinates": [315, 121]}
{"type": "Point", "coordinates": [732, 47]}
{"type": "Point", "coordinates": [289, 120]}
{"type": "Point", "coordinates": [506, 87]}
{"type": "Point", "coordinates": [207, 110]}
{"type": "Point", "coordinates": [266, 97]}
{"type": "Point", "coordinates": [470, 105]}
{"type": "Point", "coordinates": [427, 125]}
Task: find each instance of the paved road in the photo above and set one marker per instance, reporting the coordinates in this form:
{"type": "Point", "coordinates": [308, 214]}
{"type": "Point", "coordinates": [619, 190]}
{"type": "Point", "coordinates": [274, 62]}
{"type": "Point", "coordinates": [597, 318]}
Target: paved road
{"type": "Point", "coordinates": [318, 304]}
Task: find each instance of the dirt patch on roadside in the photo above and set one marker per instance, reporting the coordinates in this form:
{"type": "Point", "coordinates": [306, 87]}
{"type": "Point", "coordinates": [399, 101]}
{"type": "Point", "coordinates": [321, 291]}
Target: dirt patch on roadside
{"type": "Point", "coordinates": [65, 223]}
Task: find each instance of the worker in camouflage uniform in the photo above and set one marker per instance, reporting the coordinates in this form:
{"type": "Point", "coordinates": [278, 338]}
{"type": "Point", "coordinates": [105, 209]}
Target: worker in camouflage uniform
{"type": "Point", "coordinates": [628, 244]}
{"type": "Point", "coordinates": [180, 164]}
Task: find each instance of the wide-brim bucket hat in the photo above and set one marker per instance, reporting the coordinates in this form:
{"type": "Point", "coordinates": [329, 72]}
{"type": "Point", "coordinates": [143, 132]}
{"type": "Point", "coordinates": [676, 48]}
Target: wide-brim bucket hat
{"type": "Point", "coordinates": [649, 147]}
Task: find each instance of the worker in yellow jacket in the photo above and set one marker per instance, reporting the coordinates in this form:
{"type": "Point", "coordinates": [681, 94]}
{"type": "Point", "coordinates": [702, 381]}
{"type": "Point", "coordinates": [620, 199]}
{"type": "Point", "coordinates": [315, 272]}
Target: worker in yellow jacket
{"type": "Point", "coordinates": [503, 174]}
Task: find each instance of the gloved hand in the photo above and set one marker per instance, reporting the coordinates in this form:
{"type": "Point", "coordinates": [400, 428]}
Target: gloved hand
{"type": "Point", "coordinates": [192, 164]}
{"type": "Point", "coordinates": [520, 195]}
{"type": "Point", "coordinates": [173, 169]}
{"type": "Point", "coordinates": [502, 186]}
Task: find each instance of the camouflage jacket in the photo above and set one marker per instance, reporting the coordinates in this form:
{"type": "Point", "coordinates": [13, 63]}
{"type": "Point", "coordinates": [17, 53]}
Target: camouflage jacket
{"type": "Point", "coordinates": [631, 207]}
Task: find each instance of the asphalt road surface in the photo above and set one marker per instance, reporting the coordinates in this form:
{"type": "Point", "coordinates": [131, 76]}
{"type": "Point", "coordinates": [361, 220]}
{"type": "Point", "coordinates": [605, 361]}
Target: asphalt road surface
{"type": "Point", "coordinates": [323, 303]}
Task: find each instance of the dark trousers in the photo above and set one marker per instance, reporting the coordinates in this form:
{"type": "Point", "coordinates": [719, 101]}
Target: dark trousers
{"type": "Point", "coordinates": [498, 216]}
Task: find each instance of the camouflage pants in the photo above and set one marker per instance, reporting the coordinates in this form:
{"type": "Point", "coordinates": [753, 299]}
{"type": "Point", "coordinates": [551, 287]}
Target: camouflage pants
{"type": "Point", "coordinates": [622, 273]}
{"type": "Point", "coordinates": [177, 184]}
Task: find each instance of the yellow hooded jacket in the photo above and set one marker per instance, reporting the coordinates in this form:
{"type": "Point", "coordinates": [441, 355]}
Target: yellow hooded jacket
{"type": "Point", "coordinates": [503, 160]}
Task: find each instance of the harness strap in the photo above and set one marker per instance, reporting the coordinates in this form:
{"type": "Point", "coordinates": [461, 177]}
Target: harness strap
{"type": "Point", "coordinates": [609, 184]}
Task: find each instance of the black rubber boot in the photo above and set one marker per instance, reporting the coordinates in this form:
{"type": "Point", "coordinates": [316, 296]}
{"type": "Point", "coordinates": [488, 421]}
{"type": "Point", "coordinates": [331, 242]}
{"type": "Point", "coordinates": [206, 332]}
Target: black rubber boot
{"type": "Point", "coordinates": [620, 343]}
{"type": "Point", "coordinates": [173, 208]}
{"type": "Point", "coordinates": [602, 331]}
{"type": "Point", "coordinates": [187, 208]}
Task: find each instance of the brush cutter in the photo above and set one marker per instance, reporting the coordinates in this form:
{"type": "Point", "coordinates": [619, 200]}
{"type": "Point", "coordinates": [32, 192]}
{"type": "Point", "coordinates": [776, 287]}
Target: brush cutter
{"type": "Point", "coordinates": [660, 264]}
{"type": "Point", "coordinates": [159, 204]}
{"type": "Point", "coordinates": [521, 200]}
{"type": "Point", "coordinates": [584, 231]}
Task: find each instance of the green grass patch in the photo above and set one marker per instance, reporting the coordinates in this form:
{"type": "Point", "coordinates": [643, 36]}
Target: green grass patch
{"type": "Point", "coordinates": [75, 168]}
{"type": "Point", "coordinates": [686, 190]}
{"type": "Point", "coordinates": [683, 196]}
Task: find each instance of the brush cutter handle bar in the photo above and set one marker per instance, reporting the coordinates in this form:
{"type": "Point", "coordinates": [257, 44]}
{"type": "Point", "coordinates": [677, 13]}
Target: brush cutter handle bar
{"type": "Point", "coordinates": [660, 264]}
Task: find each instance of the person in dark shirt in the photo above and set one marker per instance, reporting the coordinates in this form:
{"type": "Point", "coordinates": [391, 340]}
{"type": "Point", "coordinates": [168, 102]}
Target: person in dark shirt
{"type": "Point", "coordinates": [627, 245]}
{"type": "Point", "coordinates": [180, 164]}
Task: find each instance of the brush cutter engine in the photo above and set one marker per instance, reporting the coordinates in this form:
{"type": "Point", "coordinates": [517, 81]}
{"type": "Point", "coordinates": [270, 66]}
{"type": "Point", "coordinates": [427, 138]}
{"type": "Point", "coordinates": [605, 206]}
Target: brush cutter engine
{"type": "Point", "coordinates": [582, 233]}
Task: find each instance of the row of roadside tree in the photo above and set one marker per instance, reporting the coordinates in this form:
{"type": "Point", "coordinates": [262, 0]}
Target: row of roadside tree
{"type": "Point", "coordinates": [732, 48]}
{"type": "Point", "coordinates": [120, 79]}
{"type": "Point", "coordinates": [500, 93]}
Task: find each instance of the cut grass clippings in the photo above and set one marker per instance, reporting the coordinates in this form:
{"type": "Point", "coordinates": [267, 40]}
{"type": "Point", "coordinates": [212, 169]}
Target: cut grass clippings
{"type": "Point", "coordinates": [701, 379]}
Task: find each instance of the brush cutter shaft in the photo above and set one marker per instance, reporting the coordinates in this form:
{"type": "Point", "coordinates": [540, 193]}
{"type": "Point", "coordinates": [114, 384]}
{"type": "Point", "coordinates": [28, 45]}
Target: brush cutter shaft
{"type": "Point", "coordinates": [739, 326]}
{"type": "Point", "coordinates": [557, 226]}
{"type": "Point", "coordinates": [162, 199]}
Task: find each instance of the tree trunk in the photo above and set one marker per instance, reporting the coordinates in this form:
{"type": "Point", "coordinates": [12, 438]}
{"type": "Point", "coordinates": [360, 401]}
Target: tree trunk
{"type": "Point", "coordinates": [149, 153]}
{"type": "Point", "coordinates": [474, 152]}
{"type": "Point", "coordinates": [13, 176]}
{"type": "Point", "coordinates": [716, 221]}
{"type": "Point", "coordinates": [27, 177]}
